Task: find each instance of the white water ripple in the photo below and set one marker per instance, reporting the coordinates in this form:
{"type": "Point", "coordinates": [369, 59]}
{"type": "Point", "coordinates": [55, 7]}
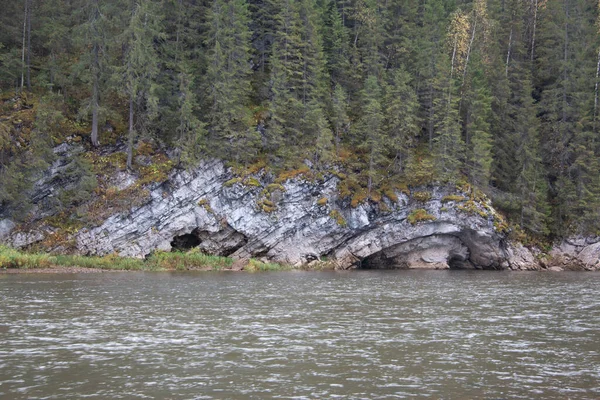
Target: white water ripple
{"type": "Point", "coordinates": [373, 335]}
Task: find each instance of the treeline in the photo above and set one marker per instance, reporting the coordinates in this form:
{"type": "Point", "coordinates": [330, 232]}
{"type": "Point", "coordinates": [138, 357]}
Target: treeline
{"type": "Point", "coordinates": [502, 93]}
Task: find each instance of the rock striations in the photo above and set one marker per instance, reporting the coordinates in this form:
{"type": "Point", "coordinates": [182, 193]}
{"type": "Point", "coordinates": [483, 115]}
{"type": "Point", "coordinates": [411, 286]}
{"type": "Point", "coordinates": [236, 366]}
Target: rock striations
{"type": "Point", "coordinates": [300, 222]}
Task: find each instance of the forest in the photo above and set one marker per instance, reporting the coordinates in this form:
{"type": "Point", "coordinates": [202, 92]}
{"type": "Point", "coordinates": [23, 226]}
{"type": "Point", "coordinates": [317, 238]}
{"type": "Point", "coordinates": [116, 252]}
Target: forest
{"type": "Point", "coordinates": [501, 94]}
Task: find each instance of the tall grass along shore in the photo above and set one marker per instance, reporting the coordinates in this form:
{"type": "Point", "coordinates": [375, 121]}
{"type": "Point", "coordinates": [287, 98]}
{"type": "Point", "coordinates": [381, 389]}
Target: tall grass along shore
{"type": "Point", "coordinates": [160, 261]}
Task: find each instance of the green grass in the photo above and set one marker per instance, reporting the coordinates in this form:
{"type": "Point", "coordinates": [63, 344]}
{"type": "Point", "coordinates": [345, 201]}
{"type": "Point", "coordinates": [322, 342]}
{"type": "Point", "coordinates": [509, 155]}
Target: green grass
{"type": "Point", "coordinates": [185, 261]}
{"type": "Point", "coordinates": [255, 265]}
{"type": "Point", "coordinates": [110, 262]}
{"type": "Point", "coordinates": [160, 261]}
{"type": "Point", "coordinates": [10, 258]}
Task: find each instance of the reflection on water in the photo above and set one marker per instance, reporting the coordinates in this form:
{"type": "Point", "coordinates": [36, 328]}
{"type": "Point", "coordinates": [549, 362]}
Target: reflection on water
{"type": "Point", "coordinates": [389, 334]}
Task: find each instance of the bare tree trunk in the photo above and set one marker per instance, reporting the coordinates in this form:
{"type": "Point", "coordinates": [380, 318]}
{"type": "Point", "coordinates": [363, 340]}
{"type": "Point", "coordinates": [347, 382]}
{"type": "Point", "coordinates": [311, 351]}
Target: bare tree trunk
{"type": "Point", "coordinates": [596, 91]}
{"type": "Point", "coordinates": [464, 77]}
{"type": "Point", "coordinates": [431, 115]}
{"type": "Point", "coordinates": [469, 50]}
{"type": "Point", "coordinates": [565, 138]}
{"type": "Point", "coordinates": [179, 11]}
{"type": "Point", "coordinates": [132, 94]}
{"type": "Point", "coordinates": [508, 52]}
{"type": "Point", "coordinates": [535, 8]}
{"type": "Point", "coordinates": [95, 107]}
{"type": "Point", "coordinates": [371, 167]}
{"type": "Point", "coordinates": [29, 46]}
{"type": "Point", "coordinates": [95, 77]}
{"type": "Point", "coordinates": [52, 67]}
{"type": "Point", "coordinates": [451, 74]}
{"type": "Point", "coordinates": [565, 72]}
{"type": "Point", "coordinates": [23, 48]}
{"type": "Point", "coordinates": [131, 134]}
{"type": "Point", "coordinates": [523, 194]}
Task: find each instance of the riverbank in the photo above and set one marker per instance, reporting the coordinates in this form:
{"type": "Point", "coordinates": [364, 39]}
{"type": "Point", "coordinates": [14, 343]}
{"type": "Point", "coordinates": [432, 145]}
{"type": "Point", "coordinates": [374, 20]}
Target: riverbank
{"type": "Point", "coordinates": [299, 220]}
{"type": "Point", "coordinates": [14, 261]}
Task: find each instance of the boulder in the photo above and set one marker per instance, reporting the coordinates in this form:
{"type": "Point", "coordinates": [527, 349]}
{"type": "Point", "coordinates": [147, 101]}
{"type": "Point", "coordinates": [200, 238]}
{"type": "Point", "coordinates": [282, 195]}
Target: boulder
{"type": "Point", "coordinates": [6, 227]}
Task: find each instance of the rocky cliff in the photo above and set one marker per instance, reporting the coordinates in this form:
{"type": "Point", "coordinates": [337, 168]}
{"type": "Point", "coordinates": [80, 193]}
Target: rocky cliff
{"type": "Point", "coordinates": [297, 222]}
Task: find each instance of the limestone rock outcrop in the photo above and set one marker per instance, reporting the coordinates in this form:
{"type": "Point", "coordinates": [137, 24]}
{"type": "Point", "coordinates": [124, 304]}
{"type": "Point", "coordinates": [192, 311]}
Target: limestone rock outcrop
{"type": "Point", "coordinates": [576, 253]}
{"type": "Point", "coordinates": [298, 222]}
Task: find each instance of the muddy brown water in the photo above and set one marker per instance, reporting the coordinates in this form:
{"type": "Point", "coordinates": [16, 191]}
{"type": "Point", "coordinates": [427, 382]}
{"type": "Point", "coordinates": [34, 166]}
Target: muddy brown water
{"type": "Point", "coordinates": [300, 335]}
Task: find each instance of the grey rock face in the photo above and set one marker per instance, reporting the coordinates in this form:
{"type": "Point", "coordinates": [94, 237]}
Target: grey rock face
{"type": "Point", "coordinates": [521, 258]}
{"type": "Point", "coordinates": [202, 208]}
{"type": "Point", "coordinates": [6, 226]}
{"type": "Point", "coordinates": [576, 252]}
{"type": "Point", "coordinates": [436, 251]}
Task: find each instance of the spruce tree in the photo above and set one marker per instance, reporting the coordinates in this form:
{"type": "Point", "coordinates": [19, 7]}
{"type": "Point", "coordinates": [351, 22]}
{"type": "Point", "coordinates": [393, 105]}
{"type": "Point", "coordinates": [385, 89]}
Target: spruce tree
{"type": "Point", "coordinates": [93, 66]}
{"type": "Point", "coordinates": [401, 123]}
{"type": "Point", "coordinates": [339, 115]}
{"type": "Point", "coordinates": [140, 68]}
{"type": "Point", "coordinates": [479, 138]}
{"type": "Point", "coordinates": [369, 133]}
{"type": "Point", "coordinates": [429, 41]}
{"type": "Point", "coordinates": [227, 77]}
{"type": "Point", "coordinates": [191, 132]}
{"type": "Point", "coordinates": [298, 80]}
{"type": "Point", "coordinates": [335, 44]}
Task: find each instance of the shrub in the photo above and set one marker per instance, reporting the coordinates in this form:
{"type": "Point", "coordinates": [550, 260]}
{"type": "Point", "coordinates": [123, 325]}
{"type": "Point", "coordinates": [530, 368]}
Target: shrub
{"type": "Point", "coordinates": [453, 197]}
{"type": "Point", "coordinates": [206, 205]}
{"type": "Point", "coordinates": [252, 182]}
{"type": "Point", "coordinates": [275, 186]}
{"type": "Point", "coordinates": [470, 207]}
{"type": "Point", "coordinates": [419, 215]}
{"type": "Point", "coordinates": [267, 206]}
{"type": "Point", "coordinates": [422, 196]}
{"type": "Point", "coordinates": [338, 217]}
{"type": "Point", "coordinates": [287, 175]}
{"type": "Point", "coordinates": [390, 194]}
{"type": "Point", "coordinates": [256, 265]}
{"type": "Point", "coordinates": [358, 197]}
{"type": "Point", "coordinates": [419, 170]}
{"type": "Point", "coordinates": [157, 171]}
{"type": "Point", "coordinates": [111, 261]}
{"type": "Point", "coordinates": [375, 196]}
{"type": "Point", "coordinates": [10, 258]}
{"type": "Point", "coordinates": [232, 182]}
{"type": "Point", "coordinates": [186, 261]}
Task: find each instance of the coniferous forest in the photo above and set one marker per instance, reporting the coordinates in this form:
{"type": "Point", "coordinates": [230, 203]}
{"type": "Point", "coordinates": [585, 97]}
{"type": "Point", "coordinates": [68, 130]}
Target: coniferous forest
{"type": "Point", "coordinates": [502, 94]}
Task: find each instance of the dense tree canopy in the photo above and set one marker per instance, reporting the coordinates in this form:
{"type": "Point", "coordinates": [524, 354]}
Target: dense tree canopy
{"type": "Point", "coordinates": [500, 93]}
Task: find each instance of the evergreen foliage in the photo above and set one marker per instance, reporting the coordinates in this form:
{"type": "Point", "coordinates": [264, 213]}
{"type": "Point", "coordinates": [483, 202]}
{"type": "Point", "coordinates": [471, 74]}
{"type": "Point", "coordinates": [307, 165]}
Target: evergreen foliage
{"type": "Point", "coordinates": [502, 94]}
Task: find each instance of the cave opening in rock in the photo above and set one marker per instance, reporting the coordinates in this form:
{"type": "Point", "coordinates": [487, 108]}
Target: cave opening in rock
{"type": "Point", "coordinates": [380, 261]}
{"type": "Point", "coordinates": [426, 252]}
{"type": "Point", "coordinates": [185, 242]}
{"type": "Point", "coordinates": [458, 262]}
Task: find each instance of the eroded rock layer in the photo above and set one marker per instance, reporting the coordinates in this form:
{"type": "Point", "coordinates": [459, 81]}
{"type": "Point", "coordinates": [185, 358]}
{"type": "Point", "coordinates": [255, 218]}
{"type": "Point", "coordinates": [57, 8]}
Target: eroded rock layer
{"type": "Point", "coordinates": [304, 222]}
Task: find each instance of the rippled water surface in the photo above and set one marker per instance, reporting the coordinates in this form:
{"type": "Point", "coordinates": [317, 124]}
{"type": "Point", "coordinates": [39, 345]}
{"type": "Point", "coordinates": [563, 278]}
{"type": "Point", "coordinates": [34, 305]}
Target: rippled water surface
{"type": "Point", "coordinates": [394, 334]}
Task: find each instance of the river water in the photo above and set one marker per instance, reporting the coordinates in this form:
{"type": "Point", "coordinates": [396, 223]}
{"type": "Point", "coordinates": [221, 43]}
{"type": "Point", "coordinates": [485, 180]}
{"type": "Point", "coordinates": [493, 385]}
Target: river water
{"type": "Point", "coordinates": [302, 335]}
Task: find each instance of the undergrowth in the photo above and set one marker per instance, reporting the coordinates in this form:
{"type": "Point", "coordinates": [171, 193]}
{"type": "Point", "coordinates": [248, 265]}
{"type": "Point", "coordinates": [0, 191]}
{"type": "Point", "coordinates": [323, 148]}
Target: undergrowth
{"type": "Point", "coordinates": [159, 261]}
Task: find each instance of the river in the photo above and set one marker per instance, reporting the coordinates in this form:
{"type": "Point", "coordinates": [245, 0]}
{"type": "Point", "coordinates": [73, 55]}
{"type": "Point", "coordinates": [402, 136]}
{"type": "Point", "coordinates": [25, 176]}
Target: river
{"type": "Point", "coordinates": [301, 335]}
